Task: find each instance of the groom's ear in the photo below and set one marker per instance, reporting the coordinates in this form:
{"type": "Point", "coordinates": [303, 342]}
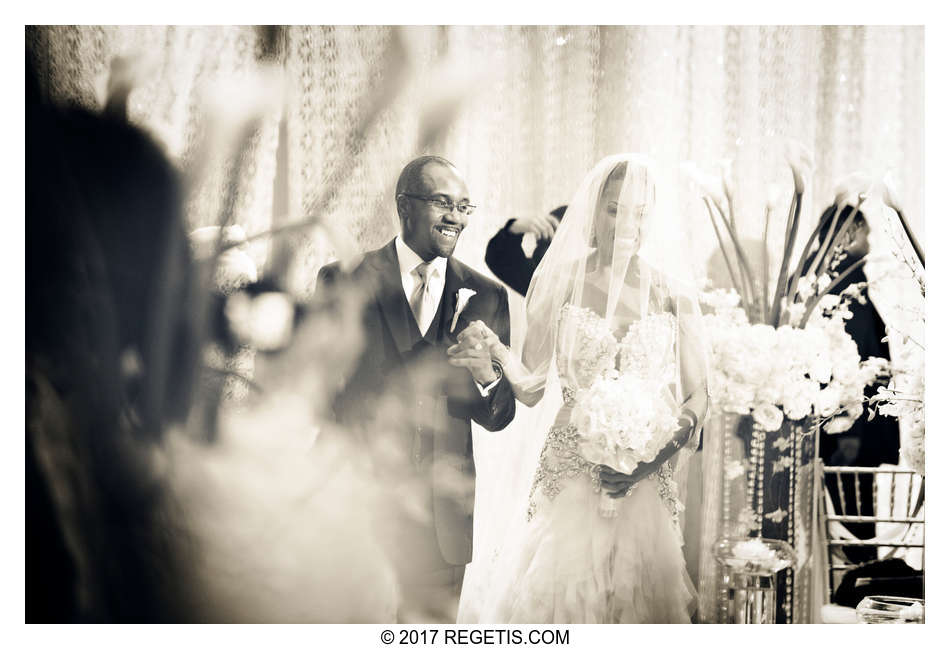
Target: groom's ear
{"type": "Point", "coordinates": [402, 208]}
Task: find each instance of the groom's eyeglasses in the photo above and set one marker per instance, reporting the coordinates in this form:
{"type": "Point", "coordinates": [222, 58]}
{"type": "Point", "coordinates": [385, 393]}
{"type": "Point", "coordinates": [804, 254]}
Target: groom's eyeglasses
{"type": "Point", "coordinates": [443, 203]}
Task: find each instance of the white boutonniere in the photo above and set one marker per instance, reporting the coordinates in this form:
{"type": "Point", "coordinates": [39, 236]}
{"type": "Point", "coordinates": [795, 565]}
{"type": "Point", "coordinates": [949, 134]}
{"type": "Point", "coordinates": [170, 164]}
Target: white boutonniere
{"type": "Point", "coordinates": [461, 300]}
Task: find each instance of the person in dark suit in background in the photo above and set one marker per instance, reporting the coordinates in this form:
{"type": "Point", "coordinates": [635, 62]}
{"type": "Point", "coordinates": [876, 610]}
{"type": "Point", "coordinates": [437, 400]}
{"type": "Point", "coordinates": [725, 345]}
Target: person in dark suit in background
{"type": "Point", "coordinates": [420, 301]}
{"type": "Point", "coordinates": [505, 255]}
{"type": "Point", "coordinates": [869, 442]}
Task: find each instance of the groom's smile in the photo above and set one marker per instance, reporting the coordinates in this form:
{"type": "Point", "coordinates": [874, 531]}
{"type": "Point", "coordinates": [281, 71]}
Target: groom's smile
{"type": "Point", "coordinates": [448, 233]}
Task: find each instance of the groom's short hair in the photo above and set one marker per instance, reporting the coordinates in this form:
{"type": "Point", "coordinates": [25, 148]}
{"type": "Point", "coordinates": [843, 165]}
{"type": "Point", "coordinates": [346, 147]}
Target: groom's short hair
{"type": "Point", "coordinates": [409, 177]}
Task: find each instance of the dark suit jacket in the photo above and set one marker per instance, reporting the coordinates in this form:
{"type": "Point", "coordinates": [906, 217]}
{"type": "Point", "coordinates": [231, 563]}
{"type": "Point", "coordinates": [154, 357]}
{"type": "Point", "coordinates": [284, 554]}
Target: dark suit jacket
{"type": "Point", "coordinates": [505, 256]}
{"type": "Point", "coordinates": [445, 399]}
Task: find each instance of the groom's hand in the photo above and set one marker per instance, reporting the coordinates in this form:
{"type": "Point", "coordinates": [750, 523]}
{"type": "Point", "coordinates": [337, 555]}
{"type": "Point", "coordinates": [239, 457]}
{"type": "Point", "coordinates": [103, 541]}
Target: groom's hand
{"type": "Point", "coordinates": [616, 484]}
{"type": "Point", "coordinates": [479, 332]}
{"type": "Point", "coordinates": [473, 353]}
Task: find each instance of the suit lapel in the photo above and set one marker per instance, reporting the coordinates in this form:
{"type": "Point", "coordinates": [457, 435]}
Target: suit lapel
{"type": "Point", "coordinates": [392, 299]}
{"type": "Point", "coordinates": [395, 308]}
{"type": "Point", "coordinates": [455, 277]}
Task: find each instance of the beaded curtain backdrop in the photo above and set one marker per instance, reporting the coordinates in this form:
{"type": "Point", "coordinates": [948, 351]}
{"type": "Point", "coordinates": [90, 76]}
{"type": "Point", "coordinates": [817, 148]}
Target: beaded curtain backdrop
{"type": "Point", "coordinates": [556, 100]}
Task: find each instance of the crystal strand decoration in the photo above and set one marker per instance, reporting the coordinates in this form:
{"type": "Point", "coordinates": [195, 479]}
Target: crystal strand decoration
{"type": "Point", "coordinates": [753, 480]}
{"type": "Point", "coordinates": [758, 435]}
{"type": "Point", "coordinates": [726, 435]}
{"type": "Point", "coordinates": [791, 576]}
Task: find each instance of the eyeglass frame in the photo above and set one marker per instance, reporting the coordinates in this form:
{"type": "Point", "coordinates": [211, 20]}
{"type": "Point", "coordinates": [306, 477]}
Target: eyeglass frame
{"type": "Point", "coordinates": [462, 208]}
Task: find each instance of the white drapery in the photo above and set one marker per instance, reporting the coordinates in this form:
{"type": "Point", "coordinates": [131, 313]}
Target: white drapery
{"type": "Point", "coordinates": [547, 104]}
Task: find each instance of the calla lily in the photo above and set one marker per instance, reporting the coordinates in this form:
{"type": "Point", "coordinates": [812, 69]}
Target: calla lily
{"type": "Point", "coordinates": [852, 188]}
{"type": "Point", "coordinates": [890, 198]}
{"type": "Point", "coordinates": [772, 195]}
{"type": "Point", "coordinates": [888, 194]}
{"type": "Point", "coordinates": [801, 161]}
{"type": "Point", "coordinates": [709, 184]}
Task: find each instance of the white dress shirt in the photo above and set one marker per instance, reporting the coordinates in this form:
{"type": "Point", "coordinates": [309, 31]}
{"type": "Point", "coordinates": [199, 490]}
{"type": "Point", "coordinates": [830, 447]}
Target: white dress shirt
{"type": "Point", "coordinates": [408, 262]}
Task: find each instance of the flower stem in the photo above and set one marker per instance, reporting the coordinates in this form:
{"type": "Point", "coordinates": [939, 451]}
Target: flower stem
{"type": "Point", "coordinates": [910, 235]}
{"type": "Point", "coordinates": [799, 269]}
{"type": "Point", "coordinates": [745, 270]}
{"type": "Point", "coordinates": [791, 229]}
{"type": "Point", "coordinates": [823, 247]}
{"type": "Point", "coordinates": [722, 247]}
{"type": "Point", "coordinates": [765, 266]}
{"type": "Point", "coordinates": [829, 255]}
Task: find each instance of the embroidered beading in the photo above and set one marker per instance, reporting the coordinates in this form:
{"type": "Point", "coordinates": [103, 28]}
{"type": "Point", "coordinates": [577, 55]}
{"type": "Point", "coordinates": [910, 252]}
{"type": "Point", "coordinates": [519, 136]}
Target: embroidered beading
{"type": "Point", "coordinates": [559, 459]}
{"type": "Point", "coordinates": [668, 490]}
{"type": "Point", "coordinates": [569, 394]}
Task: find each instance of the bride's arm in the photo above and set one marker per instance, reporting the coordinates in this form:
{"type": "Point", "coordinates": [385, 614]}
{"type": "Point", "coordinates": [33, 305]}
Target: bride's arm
{"type": "Point", "coordinates": [527, 388]}
{"type": "Point", "coordinates": [692, 366]}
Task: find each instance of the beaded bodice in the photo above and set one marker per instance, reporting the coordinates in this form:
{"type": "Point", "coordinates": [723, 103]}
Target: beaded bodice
{"type": "Point", "coordinates": [588, 349]}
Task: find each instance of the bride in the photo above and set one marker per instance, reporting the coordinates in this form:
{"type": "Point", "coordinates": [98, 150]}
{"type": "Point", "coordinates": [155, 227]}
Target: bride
{"type": "Point", "coordinates": [608, 301]}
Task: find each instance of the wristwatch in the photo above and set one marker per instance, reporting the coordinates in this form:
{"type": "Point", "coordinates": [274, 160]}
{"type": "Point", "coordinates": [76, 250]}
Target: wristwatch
{"type": "Point", "coordinates": [693, 420]}
{"type": "Point", "coordinates": [495, 365]}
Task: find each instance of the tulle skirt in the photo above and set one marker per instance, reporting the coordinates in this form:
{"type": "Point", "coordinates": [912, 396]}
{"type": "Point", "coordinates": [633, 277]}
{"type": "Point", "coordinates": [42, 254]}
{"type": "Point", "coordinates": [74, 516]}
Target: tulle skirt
{"type": "Point", "coordinates": [575, 566]}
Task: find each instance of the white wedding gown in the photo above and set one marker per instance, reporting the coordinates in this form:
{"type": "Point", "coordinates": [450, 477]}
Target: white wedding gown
{"type": "Point", "coordinates": [571, 564]}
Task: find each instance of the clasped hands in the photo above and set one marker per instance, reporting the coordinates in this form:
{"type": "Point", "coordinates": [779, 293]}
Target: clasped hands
{"type": "Point", "coordinates": [479, 350]}
{"type": "Point", "coordinates": [617, 485]}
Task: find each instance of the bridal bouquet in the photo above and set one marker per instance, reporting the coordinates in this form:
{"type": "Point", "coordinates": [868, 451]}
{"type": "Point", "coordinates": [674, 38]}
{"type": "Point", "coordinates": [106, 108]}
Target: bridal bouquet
{"type": "Point", "coordinates": [623, 420]}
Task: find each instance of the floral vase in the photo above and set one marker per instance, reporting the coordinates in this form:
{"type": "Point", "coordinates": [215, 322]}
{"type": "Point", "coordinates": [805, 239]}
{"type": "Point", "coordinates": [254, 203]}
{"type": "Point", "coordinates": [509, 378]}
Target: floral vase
{"type": "Point", "coordinates": [750, 566]}
{"type": "Point", "coordinates": [757, 484]}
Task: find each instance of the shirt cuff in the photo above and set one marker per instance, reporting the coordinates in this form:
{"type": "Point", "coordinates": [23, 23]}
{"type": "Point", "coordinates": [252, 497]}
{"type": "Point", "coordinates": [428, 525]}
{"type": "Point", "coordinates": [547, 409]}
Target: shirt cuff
{"type": "Point", "coordinates": [485, 391]}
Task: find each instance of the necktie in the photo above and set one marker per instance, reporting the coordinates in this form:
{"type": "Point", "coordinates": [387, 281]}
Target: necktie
{"type": "Point", "coordinates": [421, 307]}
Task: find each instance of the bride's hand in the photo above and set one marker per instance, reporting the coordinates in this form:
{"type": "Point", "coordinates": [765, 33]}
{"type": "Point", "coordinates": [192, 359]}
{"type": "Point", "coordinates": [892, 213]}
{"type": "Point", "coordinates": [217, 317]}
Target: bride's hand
{"type": "Point", "coordinates": [478, 332]}
{"type": "Point", "coordinates": [616, 484]}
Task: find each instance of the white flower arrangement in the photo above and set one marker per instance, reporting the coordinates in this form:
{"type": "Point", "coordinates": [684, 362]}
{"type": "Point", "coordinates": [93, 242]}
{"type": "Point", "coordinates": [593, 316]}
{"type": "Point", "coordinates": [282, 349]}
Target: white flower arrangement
{"type": "Point", "coordinates": [623, 421]}
{"type": "Point", "coordinates": [753, 553]}
{"type": "Point", "coordinates": [786, 372]}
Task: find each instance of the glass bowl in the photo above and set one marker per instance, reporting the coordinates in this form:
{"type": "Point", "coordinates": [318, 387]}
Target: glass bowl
{"type": "Point", "coordinates": [885, 609]}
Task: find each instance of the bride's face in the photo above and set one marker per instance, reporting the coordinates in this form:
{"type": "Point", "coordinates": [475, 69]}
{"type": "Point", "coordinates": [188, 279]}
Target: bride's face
{"type": "Point", "coordinates": [617, 218]}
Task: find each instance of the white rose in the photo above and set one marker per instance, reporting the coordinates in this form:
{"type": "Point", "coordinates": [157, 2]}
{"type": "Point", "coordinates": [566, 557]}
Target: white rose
{"type": "Point", "coordinates": [798, 399]}
{"type": "Point", "coordinates": [829, 400]}
{"type": "Point", "coordinates": [839, 424]}
{"type": "Point", "coordinates": [820, 368]}
{"type": "Point", "coordinates": [768, 417]}
{"type": "Point", "coordinates": [829, 302]}
{"type": "Point", "coordinates": [796, 312]}
{"type": "Point", "coordinates": [806, 287]}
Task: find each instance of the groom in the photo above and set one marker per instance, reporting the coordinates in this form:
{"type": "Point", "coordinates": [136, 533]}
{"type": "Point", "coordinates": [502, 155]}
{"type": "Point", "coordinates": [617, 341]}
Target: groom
{"type": "Point", "coordinates": [420, 299]}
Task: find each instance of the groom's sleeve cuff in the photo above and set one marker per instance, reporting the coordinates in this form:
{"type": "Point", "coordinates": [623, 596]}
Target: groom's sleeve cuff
{"type": "Point", "coordinates": [486, 390]}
